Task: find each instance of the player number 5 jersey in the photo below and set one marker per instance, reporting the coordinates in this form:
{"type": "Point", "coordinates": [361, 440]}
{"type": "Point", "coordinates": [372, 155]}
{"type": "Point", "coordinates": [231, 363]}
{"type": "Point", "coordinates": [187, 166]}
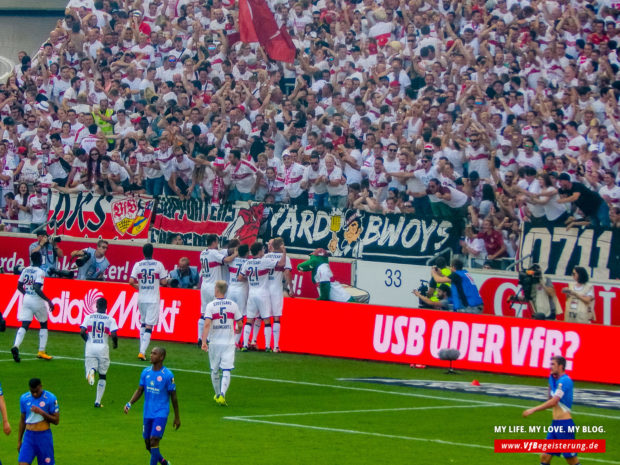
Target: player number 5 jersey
{"type": "Point", "coordinates": [223, 313]}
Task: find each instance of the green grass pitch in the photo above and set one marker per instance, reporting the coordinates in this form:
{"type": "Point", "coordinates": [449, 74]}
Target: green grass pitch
{"type": "Point", "coordinates": [283, 409]}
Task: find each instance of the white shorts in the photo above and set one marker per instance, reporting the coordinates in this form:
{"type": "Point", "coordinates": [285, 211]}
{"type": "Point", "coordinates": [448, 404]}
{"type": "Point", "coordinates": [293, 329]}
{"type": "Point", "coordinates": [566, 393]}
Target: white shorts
{"type": "Point", "coordinates": [32, 308]}
{"type": "Point", "coordinates": [240, 297]}
{"type": "Point", "coordinates": [259, 305]}
{"type": "Point", "coordinates": [277, 302]}
{"type": "Point", "coordinates": [149, 313]}
{"type": "Point", "coordinates": [99, 364]}
{"type": "Point", "coordinates": [222, 356]}
{"type": "Point", "coordinates": [207, 295]}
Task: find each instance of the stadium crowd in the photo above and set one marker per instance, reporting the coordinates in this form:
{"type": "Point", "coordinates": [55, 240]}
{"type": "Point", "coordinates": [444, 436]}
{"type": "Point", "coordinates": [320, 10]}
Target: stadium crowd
{"type": "Point", "coordinates": [488, 114]}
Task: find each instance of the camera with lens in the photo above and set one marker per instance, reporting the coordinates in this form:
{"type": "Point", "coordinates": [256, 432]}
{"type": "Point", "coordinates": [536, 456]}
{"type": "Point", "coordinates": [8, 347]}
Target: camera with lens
{"type": "Point", "coordinates": [54, 239]}
{"type": "Point", "coordinates": [527, 280]}
{"type": "Point", "coordinates": [56, 273]}
{"type": "Point", "coordinates": [423, 288]}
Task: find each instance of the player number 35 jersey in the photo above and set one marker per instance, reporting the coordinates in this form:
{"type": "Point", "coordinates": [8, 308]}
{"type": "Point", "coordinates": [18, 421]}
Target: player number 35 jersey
{"type": "Point", "coordinates": [148, 273]}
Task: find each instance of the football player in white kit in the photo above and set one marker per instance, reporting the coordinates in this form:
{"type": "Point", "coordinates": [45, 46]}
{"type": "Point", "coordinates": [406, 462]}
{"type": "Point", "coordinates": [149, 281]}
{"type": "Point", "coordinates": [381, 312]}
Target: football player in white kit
{"type": "Point", "coordinates": [222, 320]}
{"type": "Point", "coordinates": [95, 330]}
{"type": "Point", "coordinates": [276, 293]}
{"type": "Point", "coordinates": [146, 277]}
{"type": "Point", "coordinates": [35, 304]}
{"type": "Point", "coordinates": [238, 289]}
{"type": "Point", "coordinates": [256, 272]}
{"type": "Point", "coordinates": [211, 263]}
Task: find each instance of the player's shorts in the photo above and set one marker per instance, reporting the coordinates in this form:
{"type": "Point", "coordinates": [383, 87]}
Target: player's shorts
{"type": "Point", "coordinates": [277, 303]}
{"type": "Point", "coordinates": [239, 296]}
{"type": "Point", "coordinates": [99, 364]}
{"type": "Point", "coordinates": [563, 434]}
{"type": "Point", "coordinates": [154, 427]}
{"type": "Point", "coordinates": [207, 294]}
{"type": "Point", "coordinates": [222, 356]}
{"type": "Point", "coordinates": [259, 304]}
{"type": "Point", "coordinates": [149, 313]}
{"type": "Point", "coordinates": [37, 444]}
{"type": "Point", "coordinates": [32, 308]}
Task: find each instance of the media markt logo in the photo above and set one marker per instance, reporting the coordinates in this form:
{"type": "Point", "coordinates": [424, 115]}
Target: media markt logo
{"type": "Point", "coordinates": [589, 397]}
{"type": "Point", "coordinates": [90, 301]}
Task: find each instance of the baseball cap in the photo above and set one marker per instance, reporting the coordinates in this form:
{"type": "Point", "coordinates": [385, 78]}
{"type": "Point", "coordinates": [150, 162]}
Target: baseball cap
{"type": "Point", "coordinates": [564, 177]}
{"type": "Point", "coordinates": [394, 84]}
{"type": "Point", "coordinates": [429, 147]}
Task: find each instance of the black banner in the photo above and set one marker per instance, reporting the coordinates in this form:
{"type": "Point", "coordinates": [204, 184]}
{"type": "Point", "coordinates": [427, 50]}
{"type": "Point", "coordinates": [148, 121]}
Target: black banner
{"type": "Point", "coordinates": [558, 250]}
{"type": "Point", "coordinates": [358, 234]}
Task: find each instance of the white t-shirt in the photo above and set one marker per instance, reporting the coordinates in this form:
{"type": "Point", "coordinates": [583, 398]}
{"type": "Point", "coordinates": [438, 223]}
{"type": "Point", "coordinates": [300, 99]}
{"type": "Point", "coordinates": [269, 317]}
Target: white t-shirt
{"type": "Point", "coordinates": [336, 175]}
{"type": "Point", "coordinates": [148, 273]}
{"type": "Point", "coordinates": [336, 293]}
{"type": "Point", "coordinates": [256, 271]}
{"type": "Point", "coordinates": [211, 261]}
{"type": "Point", "coordinates": [223, 313]}
{"type": "Point", "coordinates": [98, 326]}
{"type": "Point", "coordinates": [276, 274]}
{"type": "Point", "coordinates": [30, 276]}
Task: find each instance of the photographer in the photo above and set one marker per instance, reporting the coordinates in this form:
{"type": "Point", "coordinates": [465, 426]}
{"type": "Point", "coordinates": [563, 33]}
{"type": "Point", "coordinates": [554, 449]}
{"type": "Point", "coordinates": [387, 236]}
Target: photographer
{"type": "Point", "coordinates": [92, 263]}
{"type": "Point", "coordinates": [465, 295]}
{"type": "Point", "coordinates": [186, 276]}
{"type": "Point", "coordinates": [442, 297]}
{"type": "Point", "coordinates": [47, 246]}
{"type": "Point", "coordinates": [579, 298]}
{"type": "Point", "coordinates": [537, 291]}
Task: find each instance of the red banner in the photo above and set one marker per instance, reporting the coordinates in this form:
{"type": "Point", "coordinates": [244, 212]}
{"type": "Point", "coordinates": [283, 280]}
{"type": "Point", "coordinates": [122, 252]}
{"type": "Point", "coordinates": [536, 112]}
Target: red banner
{"type": "Point", "coordinates": [496, 291]}
{"type": "Point", "coordinates": [14, 251]}
{"type": "Point", "coordinates": [487, 343]}
{"type": "Point", "coordinates": [100, 216]}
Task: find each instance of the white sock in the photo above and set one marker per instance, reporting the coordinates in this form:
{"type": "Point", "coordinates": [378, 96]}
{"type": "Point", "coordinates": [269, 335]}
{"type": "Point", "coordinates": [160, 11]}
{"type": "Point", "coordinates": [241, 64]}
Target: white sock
{"type": "Point", "coordinates": [142, 328]}
{"type": "Point", "coordinates": [19, 337]}
{"type": "Point", "coordinates": [201, 327]}
{"type": "Point", "coordinates": [255, 329]}
{"type": "Point", "coordinates": [225, 381]}
{"type": "Point", "coordinates": [42, 339]}
{"type": "Point", "coordinates": [276, 334]}
{"type": "Point", "coordinates": [100, 390]}
{"type": "Point", "coordinates": [237, 338]}
{"type": "Point", "coordinates": [267, 335]}
{"type": "Point", "coordinates": [215, 380]}
{"type": "Point", "coordinates": [247, 329]}
{"type": "Point", "coordinates": [145, 341]}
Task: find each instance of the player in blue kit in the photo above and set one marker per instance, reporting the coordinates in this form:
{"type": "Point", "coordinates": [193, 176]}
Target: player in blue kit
{"type": "Point", "coordinates": [6, 427]}
{"type": "Point", "coordinates": [39, 410]}
{"type": "Point", "coordinates": [561, 400]}
{"type": "Point", "coordinates": [157, 384]}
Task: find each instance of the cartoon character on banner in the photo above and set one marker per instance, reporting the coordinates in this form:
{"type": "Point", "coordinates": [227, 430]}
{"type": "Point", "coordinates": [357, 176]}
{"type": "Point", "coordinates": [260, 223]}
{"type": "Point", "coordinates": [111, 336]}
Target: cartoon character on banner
{"type": "Point", "coordinates": [349, 243]}
{"type": "Point", "coordinates": [246, 224]}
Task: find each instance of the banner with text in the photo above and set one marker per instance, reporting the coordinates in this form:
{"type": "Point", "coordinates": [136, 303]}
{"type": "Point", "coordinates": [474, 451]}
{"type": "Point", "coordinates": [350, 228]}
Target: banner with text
{"type": "Point", "coordinates": [558, 250]}
{"type": "Point", "coordinates": [100, 216]}
{"type": "Point", "coordinates": [14, 251]}
{"type": "Point", "coordinates": [485, 342]}
{"type": "Point", "coordinates": [193, 219]}
{"type": "Point", "coordinates": [359, 234]}
{"type": "Point", "coordinates": [393, 283]}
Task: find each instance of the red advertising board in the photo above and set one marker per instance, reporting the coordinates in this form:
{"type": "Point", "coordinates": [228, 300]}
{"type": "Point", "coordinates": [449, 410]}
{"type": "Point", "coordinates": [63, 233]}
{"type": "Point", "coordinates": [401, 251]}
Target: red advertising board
{"type": "Point", "coordinates": [488, 343]}
{"type": "Point", "coordinates": [109, 217]}
{"type": "Point", "coordinates": [495, 293]}
{"type": "Point", "coordinates": [14, 251]}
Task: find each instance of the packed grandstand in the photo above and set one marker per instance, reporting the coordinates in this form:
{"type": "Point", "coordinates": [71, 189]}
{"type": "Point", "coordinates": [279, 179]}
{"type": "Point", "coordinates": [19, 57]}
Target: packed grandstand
{"type": "Point", "coordinates": [486, 115]}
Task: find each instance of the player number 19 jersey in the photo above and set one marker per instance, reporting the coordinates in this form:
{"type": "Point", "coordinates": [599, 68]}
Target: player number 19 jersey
{"type": "Point", "coordinates": [98, 326]}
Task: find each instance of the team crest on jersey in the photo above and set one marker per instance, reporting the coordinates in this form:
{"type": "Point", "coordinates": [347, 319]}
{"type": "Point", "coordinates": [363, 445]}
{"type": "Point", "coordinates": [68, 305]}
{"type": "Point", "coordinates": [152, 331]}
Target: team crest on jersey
{"type": "Point", "coordinates": [159, 378]}
{"type": "Point", "coordinates": [158, 428]}
{"type": "Point", "coordinates": [591, 397]}
{"type": "Point", "coordinates": [130, 215]}
{"type": "Point", "coordinates": [42, 404]}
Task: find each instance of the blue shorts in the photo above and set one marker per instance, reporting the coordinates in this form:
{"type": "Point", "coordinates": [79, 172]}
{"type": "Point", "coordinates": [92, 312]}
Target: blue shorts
{"type": "Point", "coordinates": [563, 434]}
{"type": "Point", "coordinates": [37, 444]}
{"type": "Point", "coordinates": [154, 427]}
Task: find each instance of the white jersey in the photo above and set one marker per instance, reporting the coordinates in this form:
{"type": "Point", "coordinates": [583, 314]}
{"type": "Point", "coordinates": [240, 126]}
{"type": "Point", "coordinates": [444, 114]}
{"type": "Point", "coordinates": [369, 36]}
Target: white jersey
{"type": "Point", "coordinates": [211, 261]}
{"type": "Point", "coordinates": [276, 275]}
{"type": "Point", "coordinates": [148, 273]}
{"type": "Point", "coordinates": [223, 313]}
{"type": "Point", "coordinates": [256, 271]}
{"type": "Point", "coordinates": [98, 326]}
{"type": "Point", "coordinates": [30, 276]}
{"type": "Point", "coordinates": [234, 269]}
{"type": "Point", "coordinates": [337, 293]}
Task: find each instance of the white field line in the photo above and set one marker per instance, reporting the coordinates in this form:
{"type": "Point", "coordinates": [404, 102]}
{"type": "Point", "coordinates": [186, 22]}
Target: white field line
{"type": "Point", "coordinates": [338, 412]}
{"type": "Point", "coordinates": [336, 386]}
{"type": "Point", "coordinates": [388, 436]}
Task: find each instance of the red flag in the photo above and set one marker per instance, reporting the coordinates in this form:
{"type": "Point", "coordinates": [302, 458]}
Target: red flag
{"type": "Point", "coordinates": [257, 24]}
